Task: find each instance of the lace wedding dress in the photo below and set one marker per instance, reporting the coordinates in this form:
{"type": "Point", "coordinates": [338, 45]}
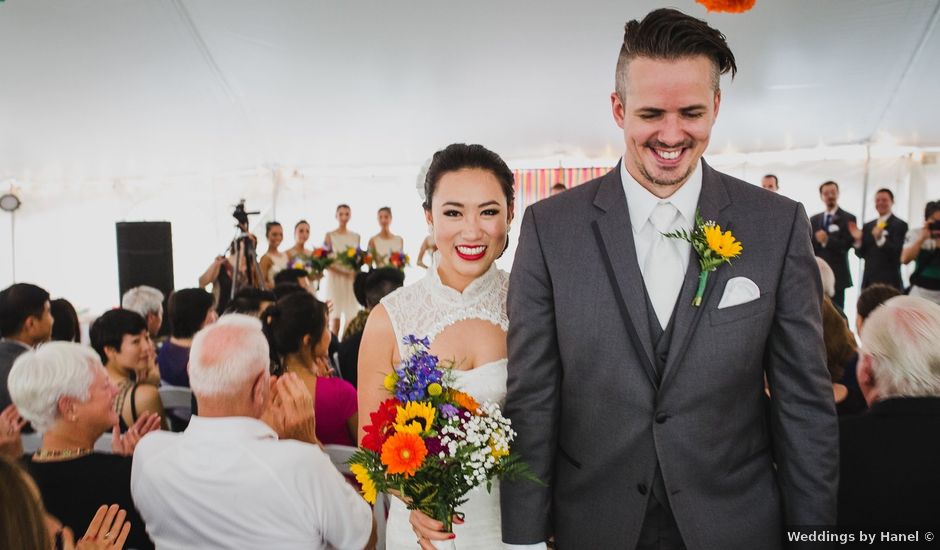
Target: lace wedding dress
{"type": "Point", "coordinates": [426, 308]}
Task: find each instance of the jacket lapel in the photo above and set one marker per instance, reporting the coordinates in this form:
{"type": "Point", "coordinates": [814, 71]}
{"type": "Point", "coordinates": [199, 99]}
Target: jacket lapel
{"type": "Point", "coordinates": [614, 236]}
{"type": "Point", "coordinates": [713, 199]}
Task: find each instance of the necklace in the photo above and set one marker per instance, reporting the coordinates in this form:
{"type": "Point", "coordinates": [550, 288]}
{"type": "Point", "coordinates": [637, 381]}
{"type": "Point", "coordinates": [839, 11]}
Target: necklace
{"type": "Point", "coordinates": [43, 454]}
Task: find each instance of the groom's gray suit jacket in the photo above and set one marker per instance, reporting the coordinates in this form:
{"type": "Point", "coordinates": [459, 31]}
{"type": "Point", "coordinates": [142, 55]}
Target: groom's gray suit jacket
{"type": "Point", "coordinates": [595, 415]}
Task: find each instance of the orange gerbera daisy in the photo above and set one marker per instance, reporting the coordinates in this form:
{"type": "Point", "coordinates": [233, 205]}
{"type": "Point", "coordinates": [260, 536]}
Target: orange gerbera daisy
{"type": "Point", "coordinates": [465, 401]}
{"type": "Point", "coordinates": [403, 453]}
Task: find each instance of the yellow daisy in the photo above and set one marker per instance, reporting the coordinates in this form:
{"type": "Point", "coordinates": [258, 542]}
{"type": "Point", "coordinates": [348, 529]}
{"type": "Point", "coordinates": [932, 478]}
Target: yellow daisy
{"type": "Point", "coordinates": [368, 486]}
{"type": "Point", "coordinates": [722, 244]}
{"type": "Point", "coordinates": [414, 418]}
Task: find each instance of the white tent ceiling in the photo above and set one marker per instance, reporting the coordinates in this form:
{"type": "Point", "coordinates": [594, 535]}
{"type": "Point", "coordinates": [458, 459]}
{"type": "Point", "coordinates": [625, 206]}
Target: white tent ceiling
{"type": "Point", "coordinates": [136, 88]}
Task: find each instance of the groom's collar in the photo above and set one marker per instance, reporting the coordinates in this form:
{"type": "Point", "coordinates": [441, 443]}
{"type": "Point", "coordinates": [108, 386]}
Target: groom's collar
{"type": "Point", "coordinates": [641, 202]}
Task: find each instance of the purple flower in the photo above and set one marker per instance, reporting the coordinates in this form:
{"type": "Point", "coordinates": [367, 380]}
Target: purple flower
{"type": "Point", "coordinates": [447, 410]}
{"type": "Point", "coordinates": [434, 445]}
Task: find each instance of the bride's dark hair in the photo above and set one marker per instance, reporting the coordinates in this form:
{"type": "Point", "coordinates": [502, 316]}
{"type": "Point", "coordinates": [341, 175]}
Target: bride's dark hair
{"type": "Point", "coordinates": [458, 156]}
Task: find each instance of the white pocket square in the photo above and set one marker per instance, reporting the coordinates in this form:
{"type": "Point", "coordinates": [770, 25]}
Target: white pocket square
{"type": "Point", "coordinates": [738, 290]}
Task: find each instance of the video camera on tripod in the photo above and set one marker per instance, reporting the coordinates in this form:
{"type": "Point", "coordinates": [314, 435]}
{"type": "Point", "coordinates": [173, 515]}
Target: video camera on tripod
{"type": "Point", "coordinates": [244, 247]}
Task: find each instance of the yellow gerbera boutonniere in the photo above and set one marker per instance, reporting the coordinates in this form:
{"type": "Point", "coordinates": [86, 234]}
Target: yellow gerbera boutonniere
{"type": "Point", "coordinates": [713, 247]}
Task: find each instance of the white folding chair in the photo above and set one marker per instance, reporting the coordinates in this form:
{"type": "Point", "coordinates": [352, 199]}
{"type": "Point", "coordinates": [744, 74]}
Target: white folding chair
{"type": "Point", "coordinates": [103, 443]}
{"type": "Point", "coordinates": [178, 402]}
{"type": "Point", "coordinates": [31, 442]}
{"type": "Point", "coordinates": [339, 456]}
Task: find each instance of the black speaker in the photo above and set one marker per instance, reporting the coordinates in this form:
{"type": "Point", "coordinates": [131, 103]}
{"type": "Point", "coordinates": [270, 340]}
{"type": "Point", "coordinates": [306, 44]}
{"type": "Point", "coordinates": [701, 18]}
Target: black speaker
{"type": "Point", "coordinates": [145, 256]}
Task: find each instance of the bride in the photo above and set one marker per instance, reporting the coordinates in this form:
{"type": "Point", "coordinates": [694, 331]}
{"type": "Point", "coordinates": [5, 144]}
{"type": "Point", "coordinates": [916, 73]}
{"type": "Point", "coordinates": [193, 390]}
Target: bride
{"type": "Point", "coordinates": [460, 306]}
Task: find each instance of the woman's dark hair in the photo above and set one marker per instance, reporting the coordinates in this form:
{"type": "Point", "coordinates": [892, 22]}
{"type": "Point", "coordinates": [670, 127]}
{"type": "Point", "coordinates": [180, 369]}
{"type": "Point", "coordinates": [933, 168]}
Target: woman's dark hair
{"type": "Point", "coordinates": [187, 310]}
{"type": "Point", "coordinates": [283, 289]}
{"type": "Point", "coordinates": [359, 288]}
{"type": "Point", "coordinates": [65, 327]}
{"type": "Point", "coordinates": [931, 207]}
{"type": "Point", "coordinates": [268, 226]}
{"type": "Point", "coordinates": [385, 209]}
{"type": "Point", "coordinates": [287, 322]}
{"type": "Point", "coordinates": [248, 301]}
{"type": "Point", "coordinates": [872, 297]}
{"type": "Point", "coordinates": [296, 225]}
{"type": "Point", "coordinates": [381, 282]}
{"type": "Point", "coordinates": [344, 205]}
{"type": "Point", "coordinates": [109, 330]}
{"type": "Point", "coordinates": [289, 276]}
{"type": "Point", "coordinates": [22, 518]}
{"type": "Point", "coordinates": [458, 156]}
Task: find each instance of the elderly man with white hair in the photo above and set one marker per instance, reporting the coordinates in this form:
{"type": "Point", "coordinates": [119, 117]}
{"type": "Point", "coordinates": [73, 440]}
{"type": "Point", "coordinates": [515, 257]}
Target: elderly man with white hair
{"type": "Point", "coordinates": [890, 455]}
{"type": "Point", "coordinates": [148, 302]}
{"type": "Point", "coordinates": [228, 481]}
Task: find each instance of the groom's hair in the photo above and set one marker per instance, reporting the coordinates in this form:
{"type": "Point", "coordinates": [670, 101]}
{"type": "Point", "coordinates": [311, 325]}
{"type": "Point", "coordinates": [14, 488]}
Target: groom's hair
{"type": "Point", "coordinates": [668, 34]}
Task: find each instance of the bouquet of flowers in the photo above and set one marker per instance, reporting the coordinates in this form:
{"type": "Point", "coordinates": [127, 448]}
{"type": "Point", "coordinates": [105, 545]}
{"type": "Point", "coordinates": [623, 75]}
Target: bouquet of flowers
{"type": "Point", "coordinates": [314, 264]}
{"type": "Point", "coordinates": [431, 442]}
{"type": "Point", "coordinates": [354, 258]}
{"type": "Point", "coordinates": [399, 260]}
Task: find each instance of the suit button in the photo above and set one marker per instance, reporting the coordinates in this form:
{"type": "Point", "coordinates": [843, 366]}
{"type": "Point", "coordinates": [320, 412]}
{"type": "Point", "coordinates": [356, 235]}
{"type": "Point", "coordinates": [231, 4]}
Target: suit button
{"type": "Point", "coordinates": [641, 488]}
{"type": "Point", "coordinates": [663, 357]}
{"type": "Point", "coordinates": [661, 418]}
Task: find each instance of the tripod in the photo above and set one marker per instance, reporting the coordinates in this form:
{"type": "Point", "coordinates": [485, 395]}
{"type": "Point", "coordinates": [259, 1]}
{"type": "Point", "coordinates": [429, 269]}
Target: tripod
{"type": "Point", "coordinates": [244, 247]}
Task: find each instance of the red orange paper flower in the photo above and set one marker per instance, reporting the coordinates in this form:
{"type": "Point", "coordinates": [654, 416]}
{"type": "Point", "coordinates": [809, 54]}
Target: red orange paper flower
{"type": "Point", "coordinates": [727, 6]}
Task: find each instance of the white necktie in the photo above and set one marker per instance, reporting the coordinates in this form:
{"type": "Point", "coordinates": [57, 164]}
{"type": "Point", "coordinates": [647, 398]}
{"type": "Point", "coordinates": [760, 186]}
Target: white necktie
{"type": "Point", "coordinates": [663, 270]}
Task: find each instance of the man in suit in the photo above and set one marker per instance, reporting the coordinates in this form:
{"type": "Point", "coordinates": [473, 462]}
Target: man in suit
{"type": "Point", "coordinates": [882, 242]}
{"type": "Point", "coordinates": [890, 453]}
{"type": "Point", "coordinates": [25, 321]}
{"type": "Point", "coordinates": [644, 415]}
{"type": "Point", "coordinates": [834, 234]}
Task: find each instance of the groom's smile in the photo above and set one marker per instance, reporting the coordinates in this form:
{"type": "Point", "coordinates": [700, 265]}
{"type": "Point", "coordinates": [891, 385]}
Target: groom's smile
{"type": "Point", "coordinates": [667, 113]}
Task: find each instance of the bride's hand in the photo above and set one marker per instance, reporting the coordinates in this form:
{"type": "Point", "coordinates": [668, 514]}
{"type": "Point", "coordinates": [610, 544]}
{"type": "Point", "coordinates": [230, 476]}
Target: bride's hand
{"type": "Point", "coordinates": [428, 529]}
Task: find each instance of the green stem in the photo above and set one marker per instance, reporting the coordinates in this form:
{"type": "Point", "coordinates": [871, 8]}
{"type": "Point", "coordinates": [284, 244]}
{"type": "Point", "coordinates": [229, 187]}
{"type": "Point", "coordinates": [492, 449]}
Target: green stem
{"type": "Point", "coordinates": [702, 280]}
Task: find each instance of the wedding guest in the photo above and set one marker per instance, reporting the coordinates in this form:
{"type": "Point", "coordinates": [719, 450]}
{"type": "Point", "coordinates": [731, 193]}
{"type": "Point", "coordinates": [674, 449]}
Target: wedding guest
{"type": "Point", "coordinates": [293, 276]}
{"type": "Point", "coordinates": [251, 301]}
{"type": "Point", "coordinates": [123, 344]}
{"type": "Point", "coordinates": [190, 309]}
{"type": "Point", "coordinates": [222, 275]}
{"type": "Point", "coordinates": [384, 243]}
{"type": "Point", "coordinates": [889, 455]}
{"type": "Point", "coordinates": [922, 248]}
{"type": "Point", "coordinates": [377, 284]}
{"type": "Point", "coordinates": [339, 279]}
{"type": "Point", "coordinates": [299, 341]}
{"type": "Point", "coordinates": [841, 352]}
{"type": "Point", "coordinates": [147, 302]}
{"type": "Point", "coordinates": [770, 183]}
{"type": "Point", "coordinates": [882, 242]}
{"type": "Point", "coordinates": [427, 247]}
{"type": "Point", "coordinates": [870, 298]}
{"type": "Point", "coordinates": [558, 188]}
{"type": "Point", "coordinates": [827, 276]}
{"type": "Point", "coordinates": [65, 392]}
{"type": "Point", "coordinates": [25, 322]}
{"type": "Point", "coordinates": [203, 488]}
{"type": "Point", "coordinates": [65, 326]}
{"type": "Point", "coordinates": [834, 234]}
{"type": "Point", "coordinates": [25, 525]}
{"type": "Point", "coordinates": [273, 260]}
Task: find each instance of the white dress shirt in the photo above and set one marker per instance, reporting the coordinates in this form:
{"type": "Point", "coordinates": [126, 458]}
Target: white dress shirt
{"type": "Point", "coordinates": [230, 483]}
{"type": "Point", "coordinates": [641, 203]}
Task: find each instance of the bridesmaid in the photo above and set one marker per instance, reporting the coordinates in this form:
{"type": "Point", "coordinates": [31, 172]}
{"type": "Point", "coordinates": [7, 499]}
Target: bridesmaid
{"type": "Point", "coordinates": [301, 236]}
{"type": "Point", "coordinates": [273, 260]}
{"type": "Point", "coordinates": [385, 242]}
{"type": "Point", "coordinates": [339, 278]}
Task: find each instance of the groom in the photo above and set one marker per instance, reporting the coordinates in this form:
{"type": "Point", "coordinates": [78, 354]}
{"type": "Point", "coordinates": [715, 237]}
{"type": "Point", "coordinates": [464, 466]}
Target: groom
{"type": "Point", "coordinates": [645, 416]}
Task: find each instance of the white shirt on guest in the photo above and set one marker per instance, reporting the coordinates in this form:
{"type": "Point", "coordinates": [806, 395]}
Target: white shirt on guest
{"type": "Point", "coordinates": [230, 483]}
